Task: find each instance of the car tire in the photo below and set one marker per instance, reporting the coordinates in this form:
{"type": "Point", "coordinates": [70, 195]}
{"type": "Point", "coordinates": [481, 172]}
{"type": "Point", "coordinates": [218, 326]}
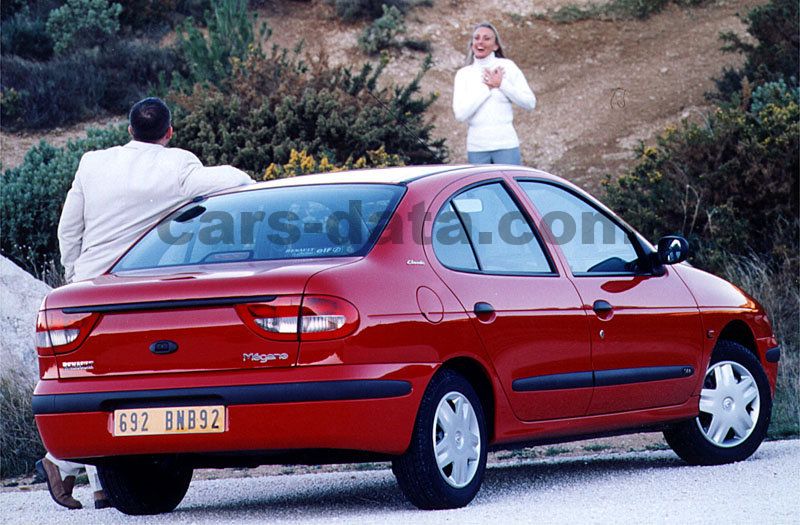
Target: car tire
{"type": "Point", "coordinates": [735, 408]}
{"type": "Point", "coordinates": [142, 486]}
{"type": "Point", "coordinates": [453, 480]}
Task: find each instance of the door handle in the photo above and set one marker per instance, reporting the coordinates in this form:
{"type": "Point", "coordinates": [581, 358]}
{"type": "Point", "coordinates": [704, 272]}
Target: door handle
{"type": "Point", "coordinates": [483, 309]}
{"type": "Point", "coordinates": [602, 307]}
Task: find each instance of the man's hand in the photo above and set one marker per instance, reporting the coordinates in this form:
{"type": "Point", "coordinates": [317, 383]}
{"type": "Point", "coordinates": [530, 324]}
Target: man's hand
{"type": "Point", "coordinates": [493, 77]}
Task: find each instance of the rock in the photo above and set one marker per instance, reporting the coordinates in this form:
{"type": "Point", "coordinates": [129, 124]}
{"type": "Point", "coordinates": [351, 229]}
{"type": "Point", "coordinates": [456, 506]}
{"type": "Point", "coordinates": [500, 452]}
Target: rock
{"type": "Point", "coordinates": [20, 297]}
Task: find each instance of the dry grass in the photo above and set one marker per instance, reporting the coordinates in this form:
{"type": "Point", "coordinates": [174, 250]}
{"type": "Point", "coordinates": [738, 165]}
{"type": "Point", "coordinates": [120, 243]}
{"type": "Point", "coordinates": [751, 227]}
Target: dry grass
{"type": "Point", "coordinates": [20, 445]}
{"type": "Point", "coordinates": [777, 288]}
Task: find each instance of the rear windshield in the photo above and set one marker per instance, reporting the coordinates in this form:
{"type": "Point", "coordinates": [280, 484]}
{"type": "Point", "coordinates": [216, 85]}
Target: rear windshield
{"type": "Point", "coordinates": [336, 220]}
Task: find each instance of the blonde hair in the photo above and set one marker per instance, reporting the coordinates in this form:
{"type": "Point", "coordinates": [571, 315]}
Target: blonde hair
{"type": "Point", "coordinates": [499, 53]}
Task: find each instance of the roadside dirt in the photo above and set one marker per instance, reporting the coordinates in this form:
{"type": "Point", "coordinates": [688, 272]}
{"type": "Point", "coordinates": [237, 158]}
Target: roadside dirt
{"type": "Point", "coordinates": [602, 86]}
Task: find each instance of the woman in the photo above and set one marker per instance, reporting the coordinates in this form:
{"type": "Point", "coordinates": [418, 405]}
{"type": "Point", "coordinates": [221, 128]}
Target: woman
{"type": "Point", "coordinates": [482, 96]}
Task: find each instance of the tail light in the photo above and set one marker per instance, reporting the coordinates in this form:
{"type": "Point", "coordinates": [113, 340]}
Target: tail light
{"type": "Point", "coordinates": [305, 318]}
{"type": "Point", "coordinates": [59, 332]}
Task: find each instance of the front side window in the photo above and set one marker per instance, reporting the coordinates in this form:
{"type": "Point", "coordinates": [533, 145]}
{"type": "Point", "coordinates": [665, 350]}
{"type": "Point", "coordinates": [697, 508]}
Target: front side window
{"type": "Point", "coordinates": [591, 242]}
{"type": "Point", "coordinates": [273, 223]}
{"type": "Point", "coordinates": [483, 229]}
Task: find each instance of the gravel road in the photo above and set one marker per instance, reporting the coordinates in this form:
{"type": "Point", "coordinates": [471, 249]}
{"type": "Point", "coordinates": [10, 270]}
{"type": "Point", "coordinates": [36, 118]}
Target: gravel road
{"type": "Point", "coordinates": [640, 487]}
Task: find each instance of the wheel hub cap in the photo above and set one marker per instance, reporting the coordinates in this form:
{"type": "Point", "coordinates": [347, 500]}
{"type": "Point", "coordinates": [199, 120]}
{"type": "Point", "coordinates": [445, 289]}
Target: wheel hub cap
{"type": "Point", "coordinates": [729, 404]}
{"type": "Point", "coordinates": [456, 439]}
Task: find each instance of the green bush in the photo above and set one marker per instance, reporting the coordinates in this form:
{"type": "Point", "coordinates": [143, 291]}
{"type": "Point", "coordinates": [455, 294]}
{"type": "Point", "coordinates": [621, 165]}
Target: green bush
{"type": "Point", "coordinates": [20, 445]}
{"type": "Point", "coordinates": [83, 23]}
{"type": "Point", "coordinates": [274, 102]}
{"type": "Point", "coordinates": [381, 33]}
{"type": "Point", "coordinates": [273, 105]}
{"type": "Point", "coordinates": [351, 10]}
{"type": "Point", "coordinates": [230, 35]}
{"type": "Point", "coordinates": [730, 185]}
{"type": "Point", "coordinates": [33, 195]}
{"type": "Point", "coordinates": [68, 89]}
{"type": "Point", "coordinates": [141, 14]}
{"type": "Point", "coordinates": [9, 8]}
{"type": "Point", "coordinates": [777, 93]}
{"type": "Point", "coordinates": [775, 54]}
{"type": "Point", "coordinates": [301, 163]}
{"type": "Point", "coordinates": [26, 36]}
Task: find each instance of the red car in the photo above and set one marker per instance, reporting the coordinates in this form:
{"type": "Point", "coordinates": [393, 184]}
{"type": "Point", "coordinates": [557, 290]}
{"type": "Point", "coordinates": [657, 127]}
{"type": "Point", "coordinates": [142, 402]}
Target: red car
{"type": "Point", "coordinates": [419, 314]}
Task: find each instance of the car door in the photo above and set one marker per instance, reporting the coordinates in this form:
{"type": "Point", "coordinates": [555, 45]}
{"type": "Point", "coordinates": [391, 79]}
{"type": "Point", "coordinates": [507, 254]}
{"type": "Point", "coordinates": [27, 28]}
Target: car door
{"type": "Point", "coordinates": [528, 315]}
{"type": "Point", "coordinates": [646, 333]}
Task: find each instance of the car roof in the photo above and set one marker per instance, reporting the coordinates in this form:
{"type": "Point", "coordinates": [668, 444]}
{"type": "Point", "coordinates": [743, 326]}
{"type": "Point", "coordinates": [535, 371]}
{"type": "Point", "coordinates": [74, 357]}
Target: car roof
{"type": "Point", "coordinates": [396, 175]}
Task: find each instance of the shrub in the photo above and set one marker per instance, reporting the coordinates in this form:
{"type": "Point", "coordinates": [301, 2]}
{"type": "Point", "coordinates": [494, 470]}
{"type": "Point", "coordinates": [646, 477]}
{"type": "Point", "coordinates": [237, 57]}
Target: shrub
{"type": "Point", "coordinates": [139, 14]}
{"type": "Point", "coordinates": [9, 8]}
{"type": "Point", "coordinates": [275, 102]}
{"type": "Point", "coordinates": [301, 163]}
{"type": "Point", "coordinates": [776, 53]}
{"type": "Point", "coordinates": [26, 36]}
{"type": "Point", "coordinates": [351, 10]}
{"type": "Point", "coordinates": [230, 35]}
{"type": "Point", "coordinates": [778, 93]}
{"type": "Point", "coordinates": [20, 445]}
{"type": "Point", "coordinates": [193, 8]}
{"type": "Point", "coordinates": [83, 23]}
{"type": "Point", "coordinates": [68, 89]}
{"type": "Point", "coordinates": [382, 33]}
{"type": "Point", "coordinates": [33, 195]}
{"type": "Point", "coordinates": [729, 184]}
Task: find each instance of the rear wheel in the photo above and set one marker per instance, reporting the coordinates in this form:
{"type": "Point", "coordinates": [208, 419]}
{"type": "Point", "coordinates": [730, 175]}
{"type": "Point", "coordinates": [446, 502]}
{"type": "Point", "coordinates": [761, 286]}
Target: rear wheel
{"type": "Point", "coordinates": [151, 485]}
{"type": "Point", "coordinates": [735, 407]}
{"type": "Point", "coordinates": [444, 465]}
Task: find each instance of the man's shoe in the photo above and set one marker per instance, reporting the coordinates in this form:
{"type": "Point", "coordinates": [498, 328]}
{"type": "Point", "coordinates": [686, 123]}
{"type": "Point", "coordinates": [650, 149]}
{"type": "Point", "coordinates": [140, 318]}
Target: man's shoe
{"type": "Point", "coordinates": [60, 489]}
{"type": "Point", "coordinates": [100, 500]}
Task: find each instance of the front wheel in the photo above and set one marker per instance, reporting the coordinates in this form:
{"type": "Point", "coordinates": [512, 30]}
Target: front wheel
{"type": "Point", "coordinates": [444, 465]}
{"type": "Point", "coordinates": [141, 486]}
{"type": "Point", "coordinates": [735, 407]}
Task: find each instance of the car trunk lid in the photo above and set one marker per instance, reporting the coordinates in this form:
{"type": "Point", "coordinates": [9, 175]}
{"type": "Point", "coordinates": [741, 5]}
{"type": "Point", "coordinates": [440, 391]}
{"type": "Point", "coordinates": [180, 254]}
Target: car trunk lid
{"type": "Point", "coordinates": [183, 320]}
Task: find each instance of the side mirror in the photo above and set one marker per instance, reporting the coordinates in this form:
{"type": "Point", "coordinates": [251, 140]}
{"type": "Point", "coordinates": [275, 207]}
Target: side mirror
{"type": "Point", "coordinates": [672, 249]}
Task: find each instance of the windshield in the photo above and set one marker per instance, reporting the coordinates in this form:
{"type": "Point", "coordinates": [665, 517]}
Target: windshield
{"type": "Point", "coordinates": [335, 220]}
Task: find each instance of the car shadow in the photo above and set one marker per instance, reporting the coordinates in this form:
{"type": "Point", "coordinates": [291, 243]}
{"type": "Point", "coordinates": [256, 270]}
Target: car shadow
{"type": "Point", "coordinates": [279, 498]}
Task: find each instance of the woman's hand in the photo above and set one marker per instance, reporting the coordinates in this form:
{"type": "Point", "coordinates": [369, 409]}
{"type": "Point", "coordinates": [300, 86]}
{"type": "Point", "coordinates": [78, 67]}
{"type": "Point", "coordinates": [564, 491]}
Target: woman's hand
{"type": "Point", "coordinates": [493, 77]}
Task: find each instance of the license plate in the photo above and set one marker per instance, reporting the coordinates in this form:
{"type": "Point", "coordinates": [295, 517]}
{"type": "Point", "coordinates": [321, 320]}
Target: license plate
{"type": "Point", "coordinates": [169, 420]}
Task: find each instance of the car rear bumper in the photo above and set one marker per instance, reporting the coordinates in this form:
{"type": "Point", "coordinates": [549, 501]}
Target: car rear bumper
{"type": "Point", "coordinates": [369, 408]}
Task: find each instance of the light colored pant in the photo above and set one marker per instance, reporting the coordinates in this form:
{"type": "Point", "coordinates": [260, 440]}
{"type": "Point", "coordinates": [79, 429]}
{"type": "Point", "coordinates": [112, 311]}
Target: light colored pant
{"type": "Point", "coordinates": [68, 468]}
{"type": "Point", "coordinates": [500, 156]}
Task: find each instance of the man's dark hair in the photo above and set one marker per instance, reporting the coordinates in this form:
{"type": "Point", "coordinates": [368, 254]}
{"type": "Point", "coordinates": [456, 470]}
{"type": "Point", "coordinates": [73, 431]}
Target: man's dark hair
{"type": "Point", "coordinates": [150, 119]}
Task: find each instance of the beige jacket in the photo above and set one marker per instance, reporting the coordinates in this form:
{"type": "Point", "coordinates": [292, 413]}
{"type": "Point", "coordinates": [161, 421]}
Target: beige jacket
{"type": "Point", "coordinates": [120, 192]}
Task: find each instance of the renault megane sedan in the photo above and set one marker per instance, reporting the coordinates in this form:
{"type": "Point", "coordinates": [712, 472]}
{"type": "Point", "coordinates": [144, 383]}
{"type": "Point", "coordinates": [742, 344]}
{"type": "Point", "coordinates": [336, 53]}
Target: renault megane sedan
{"type": "Point", "coordinates": [420, 315]}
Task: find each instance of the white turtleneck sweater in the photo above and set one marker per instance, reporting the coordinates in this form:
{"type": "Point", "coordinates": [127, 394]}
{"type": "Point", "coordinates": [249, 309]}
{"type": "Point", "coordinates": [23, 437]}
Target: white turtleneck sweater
{"type": "Point", "coordinates": [488, 111]}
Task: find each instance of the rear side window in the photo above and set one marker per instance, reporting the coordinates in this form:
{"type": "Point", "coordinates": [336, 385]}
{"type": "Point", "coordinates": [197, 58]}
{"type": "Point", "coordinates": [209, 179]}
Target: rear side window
{"type": "Point", "coordinates": [482, 229]}
{"type": "Point", "coordinates": [297, 222]}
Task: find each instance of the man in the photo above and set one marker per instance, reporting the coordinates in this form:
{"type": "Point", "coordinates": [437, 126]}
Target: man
{"type": "Point", "coordinates": [118, 194]}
